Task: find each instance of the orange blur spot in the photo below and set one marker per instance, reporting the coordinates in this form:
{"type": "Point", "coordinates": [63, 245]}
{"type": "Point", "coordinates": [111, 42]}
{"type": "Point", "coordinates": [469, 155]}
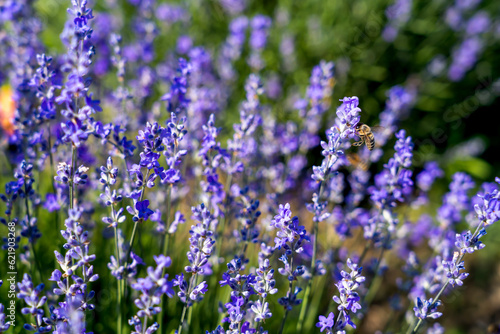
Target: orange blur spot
{"type": "Point", "coordinates": [7, 109]}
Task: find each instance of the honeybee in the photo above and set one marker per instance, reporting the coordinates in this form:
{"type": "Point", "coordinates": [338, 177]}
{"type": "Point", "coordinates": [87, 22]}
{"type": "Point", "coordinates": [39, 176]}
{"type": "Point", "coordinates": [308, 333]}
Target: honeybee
{"type": "Point", "coordinates": [365, 134]}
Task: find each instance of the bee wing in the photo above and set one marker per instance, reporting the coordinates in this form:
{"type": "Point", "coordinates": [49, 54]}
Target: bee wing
{"type": "Point", "coordinates": [353, 158]}
{"type": "Point", "coordinates": [378, 131]}
{"type": "Point", "coordinates": [377, 128]}
{"type": "Point", "coordinates": [357, 162]}
{"type": "Point", "coordinates": [358, 143]}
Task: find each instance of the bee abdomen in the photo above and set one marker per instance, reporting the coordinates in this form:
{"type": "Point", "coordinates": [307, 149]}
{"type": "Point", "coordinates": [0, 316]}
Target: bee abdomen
{"type": "Point", "coordinates": [370, 143]}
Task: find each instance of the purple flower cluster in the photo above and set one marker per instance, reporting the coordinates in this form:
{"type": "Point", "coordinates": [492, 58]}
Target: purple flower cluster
{"type": "Point", "coordinates": [448, 269]}
{"type": "Point", "coordinates": [348, 301]}
{"type": "Point", "coordinates": [74, 96]}
{"type": "Point", "coordinates": [398, 15]}
{"type": "Point", "coordinates": [242, 288]}
{"type": "Point", "coordinates": [290, 237]}
{"type": "Point", "coordinates": [395, 181]}
{"type": "Point", "coordinates": [474, 25]}
{"type": "Point", "coordinates": [151, 288]}
{"type": "Point", "coordinates": [4, 325]}
{"type": "Point", "coordinates": [200, 250]}
{"type": "Point", "coordinates": [35, 301]}
{"type": "Point", "coordinates": [213, 155]}
{"type": "Point", "coordinates": [76, 271]}
{"type": "Point", "coordinates": [260, 25]}
{"type": "Point", "coordinates": [346, 122]}
{"type": "Point", "coordinates": [232, 48]}
{"type": "Point", "coordinates": [243, 146]}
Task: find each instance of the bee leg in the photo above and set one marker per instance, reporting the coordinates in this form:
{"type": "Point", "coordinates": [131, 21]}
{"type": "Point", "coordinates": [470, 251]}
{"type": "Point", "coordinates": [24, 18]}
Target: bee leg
{"type": "Point", "coordinates": [358, 143]}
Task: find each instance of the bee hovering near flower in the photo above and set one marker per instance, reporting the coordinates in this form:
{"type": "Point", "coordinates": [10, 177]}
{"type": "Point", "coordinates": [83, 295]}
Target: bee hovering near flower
{"type": "Point", "coordinates": [365, 134]}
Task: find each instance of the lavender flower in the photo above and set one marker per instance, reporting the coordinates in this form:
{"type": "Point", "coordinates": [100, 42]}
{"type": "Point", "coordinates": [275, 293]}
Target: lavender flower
{"type": "Point", "coordinates": [260, 25]}
{"type": "Point", "coordinates": [347, 300]}
{"type": "Point", "coordinates": [426, 178]}
{"type": "Point", "coordinates": [151, 288]}
{"type": "Point", "coordinates": [200, 250]}
{"type": "Point", "coordinates": [52, 128]}
{"type": "Point", "coordinates": [318, 94]}
{"type": "Point", "coordinates": [34, 300]}
{"type": "Point", "coordinates": [232, 48]}
{"type": "Point", "coordinates": [290, 237]}
{"type": "Point", "coordinates": [66, 175]}
{"type": "Point", "coordinates": [75, 262]}
{"type": "Point", "coordinates": [451, 272]}
{"type": "Point", "coordinates": [242, 288]}
{"type": "Point", "coordinates": [426, 309]}
{"type": "Point", "coordinates": [397, 14]}
{"type": "Point", "coordinates": [4, 325]}
{"type": "Point", "coordinates": [177, 100]}
{"type": "Point", "coordinates": [464, 57]}
{"type": "Point", "coordinates": [326, 323]}
{"type": "Point", "coordinates": [212, 155]}
{"type": "Point", "coordinates": [242, 146]}
{"type": "Point", "coordinates": [76, 37]}
{"type": "Point", "coordinates": [233, 7]}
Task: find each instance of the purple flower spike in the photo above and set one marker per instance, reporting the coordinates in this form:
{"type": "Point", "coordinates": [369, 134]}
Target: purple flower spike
{"type": "Point", "coordinates": [142, 209]}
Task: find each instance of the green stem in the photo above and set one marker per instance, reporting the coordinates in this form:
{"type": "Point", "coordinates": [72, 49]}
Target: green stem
{"type": "Point", "coordinates": [221, 228]}
{"type": "Point", "coordinates": [165, 245]}
{"type": "Point", "coordinates": [184, 309]}
{"type": "Point", "coordinates": [51, 158]}
{"type": "Point", "coordinates": [134, 230]}
{"type": "Point", "coordinates": [35, 259]}
{"type": "Point", "coordinates": [368, 297]}
{"type": "Point", "coordinates": [72, 184]}
{"type": "Point", "coordinates": [224, 218]}
{"type": "Point", "coordinates": [307, 292]}
{"type": "Point", "coordinates": [167, 219]}
{"type": "Point", "coordinates": [290, 291]}
{"type": "Point", "coordinates": [144, 328]}
{"type": "Point", "coordinates": [119, 290]}
{"type": "Point", "coordinates": [37, 263]}
{"type": "Point", "coordinates": [365, 251]}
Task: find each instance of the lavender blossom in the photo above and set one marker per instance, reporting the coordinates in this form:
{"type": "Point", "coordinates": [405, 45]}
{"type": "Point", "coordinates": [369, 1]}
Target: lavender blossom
{"type": "Point", "coordinates": [77, 272]}
{"type": "Point", "coordinates": [232, 48]}
{"type": "Point", "coordinates": [427, 309]}
{"type": "Point", "coordinates": [451, 272]}
{"type": "Point", "coordinates": [347, 300]}
{"type": "Point", "coordinates": [151, 288]}
{"type": "Point", "coordinates": [177, 100]}
{"type": "Point", "coordinates": [35, 301]}
{"type": "Point", "coordinates": [243, 145]}
{"type": "Point", "coordinates": [212, 155]}
{"type": "Point", "coordinates": [263, 286]}
{"type": "Point", "coordinates": [397, 14]}
{"type": "Point", "coordinates": [290, 237]}
{"type": "Point", "coordinates": [260, 25]}
{"type": "Point", "coordinates": [233, 7]}
{"type": "Point", "coordinates": [77, 36]}
{"type": "Point", "coordinates": [242, 288]}
{"type": "Point", "coordinates": [464, 58]}
{"type": "Point", "coordinates": [200, 250]}
{"type": "Point", "coordinates": [4, 325]}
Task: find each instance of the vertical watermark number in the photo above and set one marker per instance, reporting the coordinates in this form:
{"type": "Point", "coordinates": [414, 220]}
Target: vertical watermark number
{"type": "Point", "coordinates": [10, 312]}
